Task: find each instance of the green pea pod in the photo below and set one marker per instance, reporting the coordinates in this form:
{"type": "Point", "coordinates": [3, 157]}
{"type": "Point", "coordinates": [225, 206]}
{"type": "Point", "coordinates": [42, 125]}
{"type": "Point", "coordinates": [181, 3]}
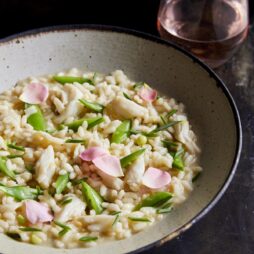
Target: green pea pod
{"type": "Point", "coordinates": [143, 219]}
{"type": "Point", "coordinates": [69, 79]}
{"type": "Point", "coordinates": [61, 183]}
{"type": "Point", "coordinates": [121, 132]}
{"type": "Point", "coordinates": [75, 141]}
{"type": "Point", "coordinates": [96, 107]}
{"type": "Point", "coordinates": [30, 229]}
{"type": "Point", "coordinates": [64, 227]}
{"type": "Point", "coordinates": [156, 199]}
{"type": "Point", "coordinates": [127, 160]}
{"type": "Point", "coordinates": [15, 147]}
{"type": "Point", "coordinates": [88, 238]}
{"type": "Point", "coordinates": [90, 121]}
{"type": "Point", "coordinates": [93, 199]}
{"type": "Point", "coordinates": [20, 192]}
{"type": "Point", "coordinates": [178, 160]}
{"type": "Point", "coordinates": [5, 170]}
{"type": "Point", "coordinates": [37, 120]}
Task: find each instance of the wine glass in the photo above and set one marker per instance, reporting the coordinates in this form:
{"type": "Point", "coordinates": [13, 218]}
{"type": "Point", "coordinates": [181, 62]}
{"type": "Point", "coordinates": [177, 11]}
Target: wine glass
{"type": "Point", "coordinates": [210, 29]}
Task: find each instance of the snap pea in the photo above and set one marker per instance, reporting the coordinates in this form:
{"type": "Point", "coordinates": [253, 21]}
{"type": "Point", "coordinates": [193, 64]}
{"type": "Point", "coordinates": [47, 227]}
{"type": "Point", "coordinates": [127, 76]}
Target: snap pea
{"type": "Point", "coordinates": [93, 199]}
{"type": "Point", "coordinates": [96, 107]}
{"type": "Point", "coordinates": [4, 169]}
{"type": "Point", "coordinates": [138, 85]}
{"type": "Point", "coordinates": [88, 238]}
{"type": "Point", "coordinates": [154, 200]}
{"type": "Point", "coordinates": [13, 156]}
{"type": "Point", "coordinates": [61, 183]}
{"type": "Point", "coordinates": [37, 120]}
{"type": "Point", "coordinates": [30, 229]}
{"type": "Point", "coordinates": [69, 79]}
{"type": "Point", "coordinates": [64, 230]}
{"type": "Point", "coordinates": [65, 201]}
{"type": "Point", "coordinates": [165, 208]}
{"type": "Point", "coordinates": [90, 121]}
{"type": "Point", "coordinates": [127, 160]}
{"type": "Point", "coordinates": [74, 141]}
{"type": "Point", "coordinates": [146, 134]}
{"type": "Point", "coordinates": [178, 160]}
{"type": "Point", "coordinates": [15, 147]}
{"type": "Point", "coordinates": [139, 219]}
{"type": "Point", "coordinates": [20, 192]}
{"type": "Point", "coordinates": [127, 96]}
{"type": "Point", "coordinates": [121, 132]}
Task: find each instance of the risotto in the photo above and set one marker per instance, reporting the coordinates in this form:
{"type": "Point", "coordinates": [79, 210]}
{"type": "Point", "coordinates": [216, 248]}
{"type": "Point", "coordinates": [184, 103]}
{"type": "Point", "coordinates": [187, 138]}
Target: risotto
{"type": "Point", "coordinates": [87, 158]}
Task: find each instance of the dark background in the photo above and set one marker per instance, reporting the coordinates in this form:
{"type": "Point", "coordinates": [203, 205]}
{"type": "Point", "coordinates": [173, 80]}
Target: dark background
{"type": "Point", "coordinates": [229, 227]}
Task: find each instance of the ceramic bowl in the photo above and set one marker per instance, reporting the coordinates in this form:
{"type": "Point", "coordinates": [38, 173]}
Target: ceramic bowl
{"type": "Point", "coordinates": [169, 69]}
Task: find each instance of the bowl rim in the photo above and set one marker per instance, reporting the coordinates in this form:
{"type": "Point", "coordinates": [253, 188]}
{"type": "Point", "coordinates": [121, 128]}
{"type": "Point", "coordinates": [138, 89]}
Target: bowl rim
{"type": "Point", "coordinates": [219, 83]}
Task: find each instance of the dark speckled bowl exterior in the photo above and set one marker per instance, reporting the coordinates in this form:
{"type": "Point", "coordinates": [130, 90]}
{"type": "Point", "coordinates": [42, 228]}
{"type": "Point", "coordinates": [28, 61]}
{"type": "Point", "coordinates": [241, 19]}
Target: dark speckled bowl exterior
{"type": "Point", "coordinates": [166, 67]}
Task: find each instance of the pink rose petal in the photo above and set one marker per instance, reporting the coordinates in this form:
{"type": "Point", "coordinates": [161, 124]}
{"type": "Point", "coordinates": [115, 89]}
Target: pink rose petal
{"type": "Point", "coordinates": [147, 94]}
{"type": "Point", "coordinates": [37, 212]}
{"type": "Point", "coordinates": [109, 165]}
{"type": "Point", "coordinates": [155, 178]}
{"type": "Point", "coordinates": [92, 153]}
{"type": "Point", "coordinates": [34, 93]}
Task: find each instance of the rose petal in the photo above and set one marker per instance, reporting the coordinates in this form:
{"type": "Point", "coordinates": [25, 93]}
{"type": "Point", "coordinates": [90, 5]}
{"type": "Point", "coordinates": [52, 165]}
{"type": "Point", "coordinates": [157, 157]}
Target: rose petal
{"type": "Point", "coordinates": [155, 178]}
{"type": "Point", "coordinates": [37, 212]}
{"type": "Point", "coordinates": [109, 165]}
{"type": "Point", "coordinates": [92, 153]}
{"type": "Point", "coordinates": [34, 93]}
{"type": "Point", "coordinates": [147, 94]}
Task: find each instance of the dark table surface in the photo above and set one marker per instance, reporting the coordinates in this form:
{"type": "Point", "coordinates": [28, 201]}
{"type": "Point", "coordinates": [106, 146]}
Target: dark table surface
{"type": "Point", "coordinates": [229, 227]}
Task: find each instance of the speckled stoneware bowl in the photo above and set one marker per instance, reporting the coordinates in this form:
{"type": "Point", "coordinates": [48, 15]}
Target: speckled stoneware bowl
{"type": "Point", "coordinates": [170, 70]}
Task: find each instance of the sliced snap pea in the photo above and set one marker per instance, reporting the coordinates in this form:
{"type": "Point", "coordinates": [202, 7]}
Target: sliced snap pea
{"type": "Point", "coordinates": [75, 141]}
{"type": "Point", "coordinates": [127, 96]}
{"type": "Point", "coordinates": [37, 120]}
{"type": "Point", "coordinates": [93, 199]}
{"type": "Point", "coordinates": [65, 201]}
{"type": "Point", "coordinates": [88, 238]}
{"type": "Point", "coordinates": [154, 200]}
{"type": "Point", "coordinates": [64, 227]}
{"type": "Point", "coordinates": [139, 219]}
{"type": "Point", "coordinates": [127, 160]}
{"type": "Point", "coordinates": [4, 169]}
{"type": "Point", "coordinates": [20, 192]}
{"type": "Point", "coordinates": [61, 183]}
{"type": "Point", "coordinates": [15, 147]}
{"type": "Point", "coordinates": [90, 121]}
{"type": "Point", "coordinates": [96, 107]}
{"type": "Point", "coordinates": [30, 229]}
{"type": "Point", "coordinates": [121, 132]}
{"type": "Point", "coordinates": [13, 156]}
{"type": "Point", "coordinates": [21, 219]}
{"type": "Point", "coordinates": [146, 134]}
{"type": "Point", "coordinates": [165, 208]}
{"type": "Point", "coordinates": [138, 85]}
{"type": "Point", "coordinates": [178, 160]}
{"type": "Point", "coordinates": [69, 79]}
